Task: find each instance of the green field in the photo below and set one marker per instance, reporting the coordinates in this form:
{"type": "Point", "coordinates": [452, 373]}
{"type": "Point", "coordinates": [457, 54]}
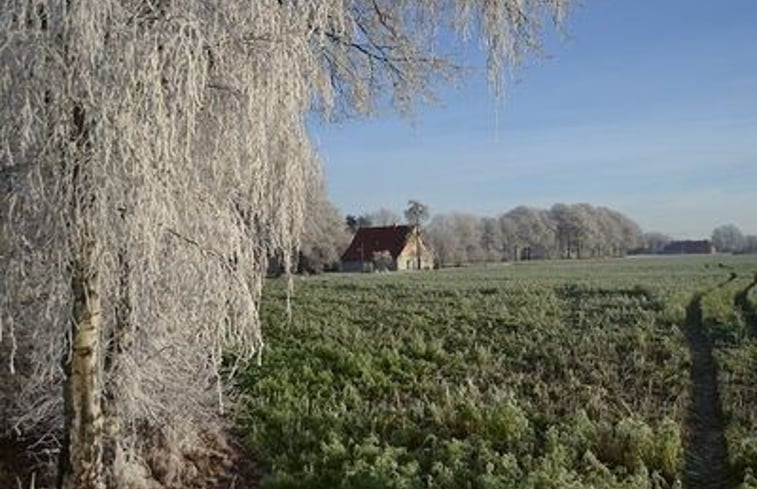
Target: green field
{"type": "Point", "coordinates": [632, 373]}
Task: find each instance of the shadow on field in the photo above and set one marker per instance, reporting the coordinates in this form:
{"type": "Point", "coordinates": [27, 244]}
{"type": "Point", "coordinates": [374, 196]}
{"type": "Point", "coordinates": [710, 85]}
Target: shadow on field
{"type": "Point", "coordinates": [226, 467]}
{"type": "Point", "coordinates": [707, 464]}
{"type": "Point", "coordinates": [748, 309]}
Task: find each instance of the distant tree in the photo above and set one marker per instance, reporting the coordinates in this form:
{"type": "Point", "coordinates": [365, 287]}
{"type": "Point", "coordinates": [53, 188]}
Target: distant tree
{"type": "Point", "coordinates": [467, 230]}
{"type": "Point", "coordinates": [571, 227]}
{"type": "Point", "coordinates": [583, 231]}
{"type": "Point", "coordinates": [442, 240]}
{"type": "Point", "coordinates": [364, 221]}
{"type": "Point", "coordinates": [750, 244]}
{"type": "Point", "coordinates": [654, 242]}
{"type": "Point", "coordinates": [491, 239]}
{"type": "Point", "coordinates": [529, 228]}
{"type": "Point", "coordinates": [508, 234]}
{"type": "Point", "coordinates": [728, 238]}
{"type": "Point", "coordinates": [455, 238]}
{"type": "Point", "coordinates": [384, 217]}
{"type": "Point", "coordinates": [353, 222]}
{"type": "Point", "coordinates": [416, 213]}
{"type": "Point", "coordinates": [570, 231]}
{"type": "Point", "coordinates": [324, 237]}
{"type": "Point", "coordinates": [350, 222]}
{"type": "Point", "coordinates": [623, 234]}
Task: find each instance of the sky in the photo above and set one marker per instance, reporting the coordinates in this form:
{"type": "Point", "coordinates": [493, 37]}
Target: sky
{"type": "Point", "coordinates": [646, 106]}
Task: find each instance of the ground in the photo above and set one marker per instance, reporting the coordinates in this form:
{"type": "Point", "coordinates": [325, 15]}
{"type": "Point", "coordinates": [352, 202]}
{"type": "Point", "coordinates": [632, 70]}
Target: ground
{"type": "Point", "coordinates": [614, 373]}
{"type": "Point", "coordinates": [625, 373]}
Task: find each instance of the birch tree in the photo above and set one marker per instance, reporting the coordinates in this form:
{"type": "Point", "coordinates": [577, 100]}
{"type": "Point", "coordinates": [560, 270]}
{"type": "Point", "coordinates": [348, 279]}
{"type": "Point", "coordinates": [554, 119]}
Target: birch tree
{"type": "Point", "coordinates": [154, 155]}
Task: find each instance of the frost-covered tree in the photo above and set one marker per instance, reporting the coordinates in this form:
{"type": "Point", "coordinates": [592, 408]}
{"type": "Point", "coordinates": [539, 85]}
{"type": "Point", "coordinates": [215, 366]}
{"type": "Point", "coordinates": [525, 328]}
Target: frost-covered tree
{"type": "Point", "coordinates": [529, 228]}
{"type": "Point", "coordinates": [442, 239]}
{"type": "Point", "coordinates": [655, 242]}
{"type": "Point", "coordinates": [384, 217]}
{"type": "Point", "coordinates": [324, 237]}
{"type": "Point", "coordinates": [728, 238]}
{"type": "Point", "coordinates": [492, 245]}
{"type": "Point", "coordinates": [154, 155]}
{"type": "Point", "coordinates": [455, 238]}
{"type": "Point", "coordinates": [582, 231]}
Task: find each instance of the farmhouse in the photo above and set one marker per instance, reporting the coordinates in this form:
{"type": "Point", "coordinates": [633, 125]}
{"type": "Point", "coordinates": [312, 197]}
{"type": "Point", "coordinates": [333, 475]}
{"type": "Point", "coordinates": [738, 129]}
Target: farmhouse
{"type": "Point", "coordinates": [689, 247]}
{"type": "Point", "coordinates": [390, 247]}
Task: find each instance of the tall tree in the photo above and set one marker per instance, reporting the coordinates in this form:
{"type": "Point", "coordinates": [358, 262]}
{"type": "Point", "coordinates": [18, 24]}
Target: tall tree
{"type": "Point", "coordinates": [531, 229]}
{"type": "Point", "coordinates": [442, 240]}
{"type": "Point", "coordinates": [491, 239]}
{"type": "Point", "coordinates": [416, 213]}
{"type": "Point", "coordinates": [156, 154]}
{"type": "Point", "coordinates": [456, 238]}
{"type": "Point", "coordinates": [728, 238]}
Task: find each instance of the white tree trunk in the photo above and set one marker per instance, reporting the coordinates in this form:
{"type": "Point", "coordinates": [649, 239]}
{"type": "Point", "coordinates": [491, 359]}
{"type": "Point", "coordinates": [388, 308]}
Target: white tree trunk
{"type": "Point", "coordinates": [83, 467]}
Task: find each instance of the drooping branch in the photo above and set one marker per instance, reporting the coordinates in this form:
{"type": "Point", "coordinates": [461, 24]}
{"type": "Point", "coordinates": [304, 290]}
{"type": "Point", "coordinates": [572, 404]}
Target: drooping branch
{"type": "Point", "coordinates": [191, 117]}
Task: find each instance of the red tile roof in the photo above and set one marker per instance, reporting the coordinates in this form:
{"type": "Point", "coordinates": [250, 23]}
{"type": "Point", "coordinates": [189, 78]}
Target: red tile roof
{"type": "Point", "coordinates": [369, 240]}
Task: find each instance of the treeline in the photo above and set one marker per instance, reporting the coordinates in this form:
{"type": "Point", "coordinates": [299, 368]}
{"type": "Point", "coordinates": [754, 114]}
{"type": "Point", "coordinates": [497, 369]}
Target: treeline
{"type": "Point", "coordinates": [567, 231]}
{"type": "Point", "coordinates": [564, 231]}
{"type": "Point", "coordinates": [727, 238]}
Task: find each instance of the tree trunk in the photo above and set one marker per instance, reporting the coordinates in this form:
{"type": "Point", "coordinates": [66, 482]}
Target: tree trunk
{"type": "Point", "coordinates": [81, 459]}
{"type": "Point", "coordinates": [418, 247]}
{"type": "Point", "coordinates": [82, 466]}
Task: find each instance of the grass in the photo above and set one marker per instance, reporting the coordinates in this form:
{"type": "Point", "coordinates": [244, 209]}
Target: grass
{"type": "Point", "coordinates": [532, 375]}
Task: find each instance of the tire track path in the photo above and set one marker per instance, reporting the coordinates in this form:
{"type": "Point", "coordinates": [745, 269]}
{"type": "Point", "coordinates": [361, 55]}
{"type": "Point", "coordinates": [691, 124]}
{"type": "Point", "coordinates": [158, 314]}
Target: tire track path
{"type": "Point", "coordinates": [706, 464]}
{"type": "Point", "coordinates": [748, 310]}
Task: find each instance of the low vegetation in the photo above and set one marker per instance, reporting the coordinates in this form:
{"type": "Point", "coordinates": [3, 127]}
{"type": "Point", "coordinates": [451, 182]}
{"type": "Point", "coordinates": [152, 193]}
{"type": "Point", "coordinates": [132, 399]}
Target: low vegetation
{"type": "Point", "coordinates": [561, 374]}
{"type": "Point", "coordinates": [728, 318]}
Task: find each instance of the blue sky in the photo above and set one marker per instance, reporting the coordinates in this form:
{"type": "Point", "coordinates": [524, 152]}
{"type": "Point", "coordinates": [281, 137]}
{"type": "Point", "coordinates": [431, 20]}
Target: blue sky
{"type": "Point", "coordinates": [649, 107]}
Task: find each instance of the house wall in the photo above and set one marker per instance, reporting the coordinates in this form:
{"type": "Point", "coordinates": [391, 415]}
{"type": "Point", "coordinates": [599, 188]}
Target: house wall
{"type": "Point", "coordinates": [408, 258]}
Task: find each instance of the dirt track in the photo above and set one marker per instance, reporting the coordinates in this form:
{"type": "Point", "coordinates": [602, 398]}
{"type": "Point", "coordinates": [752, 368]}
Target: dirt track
{"type": "Point", "coordinates": [706, 450]}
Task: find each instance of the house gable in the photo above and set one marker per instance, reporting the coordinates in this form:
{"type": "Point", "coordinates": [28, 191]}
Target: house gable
{"type": "Point", "coordinates": [399, 241]}
{"type": "Point", "coordinates": [371, 240]}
